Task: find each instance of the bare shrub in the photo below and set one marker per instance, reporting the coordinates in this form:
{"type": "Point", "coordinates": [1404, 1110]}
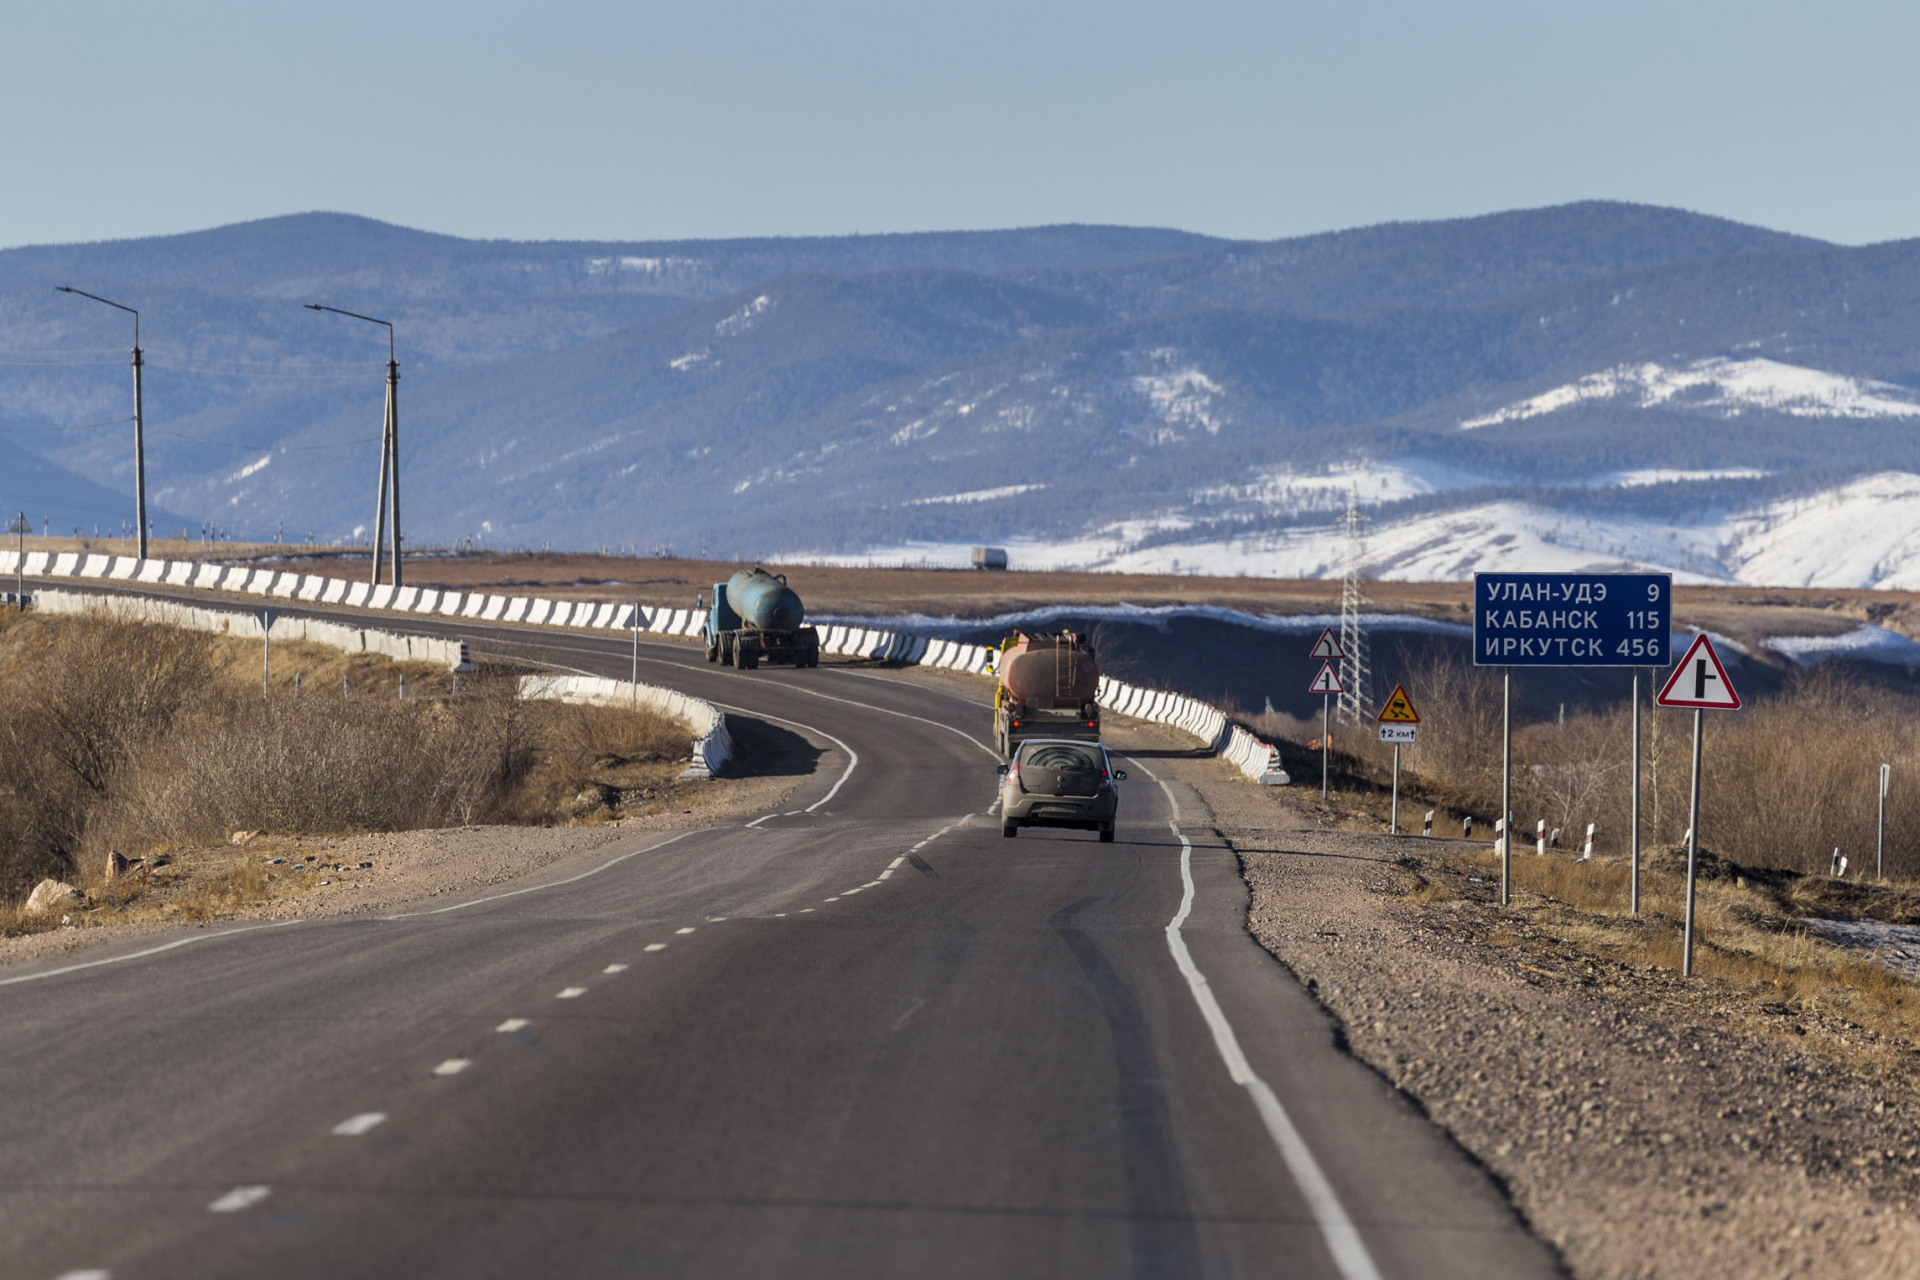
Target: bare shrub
{"type": "Point", "coordinates": [122, 735]}
{"type": "Point", "coordinates": [1785, 781]}
{"type": "Point", "coordinates": [78, 701]}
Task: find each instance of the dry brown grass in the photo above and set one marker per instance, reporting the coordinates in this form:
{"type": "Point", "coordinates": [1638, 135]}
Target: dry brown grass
{"type": "Point", "coordinates": [1748, 939]}
{"type": "Point", "coordinates": [1785, 781]}
{"type": "Point", "coordinates": [120, 735]}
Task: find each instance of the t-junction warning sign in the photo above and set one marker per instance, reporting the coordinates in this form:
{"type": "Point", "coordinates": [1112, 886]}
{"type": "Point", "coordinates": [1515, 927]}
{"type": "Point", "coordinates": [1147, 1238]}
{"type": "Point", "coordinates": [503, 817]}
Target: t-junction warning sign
{"type": "Point", "coordinates": [1700, 681]}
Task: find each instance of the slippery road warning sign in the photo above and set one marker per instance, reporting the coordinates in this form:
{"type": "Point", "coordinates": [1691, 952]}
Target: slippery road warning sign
{"type": "Point", "coordinates": [1328, 681]}
{"type": "Point", "coordinates": [1399, 708]}
{"type": "Point", "coordinates": [1327, 647]}
{"type": "Point", "coordinates": [1700, 681]}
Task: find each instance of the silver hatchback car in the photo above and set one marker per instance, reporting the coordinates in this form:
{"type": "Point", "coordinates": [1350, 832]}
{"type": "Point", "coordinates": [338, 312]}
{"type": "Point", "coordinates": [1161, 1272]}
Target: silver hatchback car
{"type": "Point", "coordinates": [1059, 782]}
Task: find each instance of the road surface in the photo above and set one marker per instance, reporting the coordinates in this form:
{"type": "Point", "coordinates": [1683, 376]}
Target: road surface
{"type": "Point", "coordinates": [861, 1036]}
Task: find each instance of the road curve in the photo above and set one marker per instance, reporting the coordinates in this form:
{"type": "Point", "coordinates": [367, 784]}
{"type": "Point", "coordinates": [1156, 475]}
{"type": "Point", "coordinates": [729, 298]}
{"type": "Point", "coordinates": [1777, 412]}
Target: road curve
{"type": "Point", "coordinates": [861, 1036]}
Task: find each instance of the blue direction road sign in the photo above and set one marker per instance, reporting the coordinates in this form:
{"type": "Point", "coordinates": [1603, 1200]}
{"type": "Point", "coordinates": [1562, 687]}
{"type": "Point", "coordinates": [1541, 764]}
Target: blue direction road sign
{"type": "Point", "coordinates": [1572, 619]}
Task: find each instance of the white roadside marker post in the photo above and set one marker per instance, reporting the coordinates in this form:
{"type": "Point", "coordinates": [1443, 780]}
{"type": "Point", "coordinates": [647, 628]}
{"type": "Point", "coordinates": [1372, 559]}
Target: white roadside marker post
{"type": "Point", "coordinates": [1426, 826]}
{"type": "Point", "coordinates": [1586, 850]}
{"type": "Point", "coordinates": [1540, 838]}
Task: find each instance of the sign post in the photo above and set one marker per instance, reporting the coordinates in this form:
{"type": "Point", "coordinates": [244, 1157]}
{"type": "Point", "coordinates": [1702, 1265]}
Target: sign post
{"type": "Point", "coordinates": [1564, 620]}
{"type": "Point", "coordinates": [1327, 685]}
{"type": "Point", "coordinates": [1699, 682]}
{"type": "Point", "coordinates": [1399, 724]}
{"type": "Point", "coordinates": [1880, 832]}
{"type": "Point", "coordinates": [267, 618]}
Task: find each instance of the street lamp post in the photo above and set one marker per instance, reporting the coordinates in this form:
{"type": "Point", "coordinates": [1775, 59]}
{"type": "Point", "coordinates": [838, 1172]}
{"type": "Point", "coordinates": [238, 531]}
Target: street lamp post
{"type": "Point", "coordinates": [139, 422]}
{"type": "Point", "coordinates": [389, 451]}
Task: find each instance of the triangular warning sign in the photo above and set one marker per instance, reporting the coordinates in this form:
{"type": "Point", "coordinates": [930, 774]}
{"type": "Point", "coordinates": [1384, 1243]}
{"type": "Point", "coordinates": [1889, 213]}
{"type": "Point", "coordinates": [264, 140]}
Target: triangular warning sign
{"type": "Point", "coordinates": [1328, 681]}
{"type": "Point", "coordinates": [1700, 681]}
{"type": "Point", "coordinates": [1327, 646]}
{"type": "Point", "coordinates": [1399, 708]}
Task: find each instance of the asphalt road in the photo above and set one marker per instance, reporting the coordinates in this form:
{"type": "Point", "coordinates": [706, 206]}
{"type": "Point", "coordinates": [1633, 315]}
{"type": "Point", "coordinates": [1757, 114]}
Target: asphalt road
{"type": "Point", "coordinates": [864, 1036]}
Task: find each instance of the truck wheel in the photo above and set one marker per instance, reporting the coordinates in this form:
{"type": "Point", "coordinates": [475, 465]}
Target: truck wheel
{"type": "Point", "coordinates": [812, 656]}
{"type": "Point", "coordinates": [1106, 834]}
{"type": "Point", "coordinates": [749, 660]}
{"type": "Point", "coordinates": [713, 649]}
{"type": "Point", "coordinates": [1009, 829]}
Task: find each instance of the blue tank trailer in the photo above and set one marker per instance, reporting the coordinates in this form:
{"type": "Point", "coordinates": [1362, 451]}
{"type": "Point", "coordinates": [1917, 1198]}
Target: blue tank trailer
{"type": "Point", "coordinates": [756, 617]}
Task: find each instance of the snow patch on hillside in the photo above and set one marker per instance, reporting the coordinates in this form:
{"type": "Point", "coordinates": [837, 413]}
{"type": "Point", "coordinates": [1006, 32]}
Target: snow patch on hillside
{"type": "Point", "coordinates": [1729, 387]}
{"type": "Point", "coordinates": [1183, 399]}
{"type": "Point", "coordinates": [1284, 490]}
{"type": "Point", "coordinates": [1662, 475]}
{"type": "Point", "coordinates": [977, 495]}
{"type": "Point", "coordinates": [1863, 534]}
{"type": "Point", "coordinates": [742, 320]}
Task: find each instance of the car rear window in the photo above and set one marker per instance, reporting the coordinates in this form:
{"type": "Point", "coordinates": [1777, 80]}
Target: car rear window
{"type": "Point", "coordinates": [1057, 757]}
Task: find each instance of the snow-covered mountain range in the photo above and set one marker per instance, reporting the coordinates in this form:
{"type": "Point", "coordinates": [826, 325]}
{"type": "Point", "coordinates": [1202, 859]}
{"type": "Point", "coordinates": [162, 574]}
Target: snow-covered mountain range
{"type": "Point", "coordinates": [1596, 384]}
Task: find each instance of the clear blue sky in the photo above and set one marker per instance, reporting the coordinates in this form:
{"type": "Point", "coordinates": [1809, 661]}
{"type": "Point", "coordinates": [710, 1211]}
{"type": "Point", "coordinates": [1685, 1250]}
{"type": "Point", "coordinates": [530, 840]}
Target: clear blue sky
{"type": "Point", "coordinates": [579, 119]}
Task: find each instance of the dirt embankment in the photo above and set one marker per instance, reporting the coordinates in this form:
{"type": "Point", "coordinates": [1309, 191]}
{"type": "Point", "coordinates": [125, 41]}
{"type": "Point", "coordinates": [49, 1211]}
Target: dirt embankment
{"type": "Point", "coordinates": [1646, 1125]}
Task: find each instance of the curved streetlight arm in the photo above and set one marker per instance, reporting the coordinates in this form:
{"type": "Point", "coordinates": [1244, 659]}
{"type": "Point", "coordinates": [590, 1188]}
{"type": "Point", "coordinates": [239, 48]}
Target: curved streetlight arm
{"type": "Point", "coordinates": [62, 288]}
{"type": "Point", "coordinates": [314, 306]}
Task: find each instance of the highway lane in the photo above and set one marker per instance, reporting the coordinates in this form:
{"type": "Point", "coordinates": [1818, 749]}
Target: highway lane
{"type": "Point", "coordinates": [987, 1062]}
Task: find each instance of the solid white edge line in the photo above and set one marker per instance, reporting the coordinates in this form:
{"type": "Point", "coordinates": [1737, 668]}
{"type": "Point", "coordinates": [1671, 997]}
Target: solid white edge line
{"type": "Point", "coordinates": [1343, 1239]}
{"type": "Point", "coordinates": [553, 884]}
{"type": "Point", "coordinates": [150, 951]}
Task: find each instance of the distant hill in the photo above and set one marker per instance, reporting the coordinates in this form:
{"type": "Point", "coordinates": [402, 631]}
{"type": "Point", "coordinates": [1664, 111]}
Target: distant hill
{"type": "Point", "coordinates": [1088, 393]}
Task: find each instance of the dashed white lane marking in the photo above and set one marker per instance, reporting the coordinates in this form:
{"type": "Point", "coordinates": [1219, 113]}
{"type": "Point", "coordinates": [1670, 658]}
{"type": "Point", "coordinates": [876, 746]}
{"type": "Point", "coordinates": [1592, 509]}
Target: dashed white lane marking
{"type": "Point", "coordinates": [656, 946]}
{"type": "Point", "coordinates": [896, 862]}
{"type": "Point", "coordinates": [240, 1198]}
{"type": "Point", "coordinates": [716, 919]}
{"type": "Point", "coordinates": [804, 910]}
{"type": "Point", "coordinates": [779, 915]}
{"type": "Point", "coordinates": [615, 968]}
{"type": "Point", "coordinates": [834, 898]}
{"type": "Point", "coordinates": [359, 1124]}
{"type": "Point", "coordinates": [762, 818]}
{"type": "Point", "coordinates": [453, 1066]}
{"type": "Point", "coordinates": [571, 993]}
{"type": "Point", "coordinates": [1343, 1239]}
{"type": "Point", "coordinates": [887, 874]}
{"type": "Point", "coordinates": [792, 813]}
{"type": "Point", "coordinates": [553, 884]}
{"type": "Point", "coordinates": [688, 929]}
{"type": "Point", "coordinates": [512, 1024]}
{"type": "Point", "coordinates": [96, 1273]}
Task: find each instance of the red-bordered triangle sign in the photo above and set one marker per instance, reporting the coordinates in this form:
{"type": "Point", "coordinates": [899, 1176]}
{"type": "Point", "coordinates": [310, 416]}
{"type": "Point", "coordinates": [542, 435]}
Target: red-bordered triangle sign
{"type": "Point", "coordinates": [1700, 681]}
{"type": "Point", "coordinates": [1328, 681]}
{"type": "Point", "coordinates": [1399, 708]}
{"type": "Point", "coordinates": [1327, 646]}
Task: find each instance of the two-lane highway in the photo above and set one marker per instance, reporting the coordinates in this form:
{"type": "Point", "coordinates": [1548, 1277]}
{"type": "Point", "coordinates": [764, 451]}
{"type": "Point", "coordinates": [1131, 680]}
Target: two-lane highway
{"type": "Point", "coordinates": [864, 1035]}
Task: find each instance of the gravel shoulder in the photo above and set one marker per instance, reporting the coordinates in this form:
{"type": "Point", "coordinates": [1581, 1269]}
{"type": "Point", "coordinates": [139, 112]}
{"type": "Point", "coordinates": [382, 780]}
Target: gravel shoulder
{"type": "Point", "coordinates": [1644, 1125]}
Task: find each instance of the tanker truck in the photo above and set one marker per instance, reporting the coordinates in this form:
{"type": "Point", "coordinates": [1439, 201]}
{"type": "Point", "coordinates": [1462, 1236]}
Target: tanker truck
{"type": "Point", "coordinates": [1044, 687]}
{"type": "Point", "coordinates": [756, 617]}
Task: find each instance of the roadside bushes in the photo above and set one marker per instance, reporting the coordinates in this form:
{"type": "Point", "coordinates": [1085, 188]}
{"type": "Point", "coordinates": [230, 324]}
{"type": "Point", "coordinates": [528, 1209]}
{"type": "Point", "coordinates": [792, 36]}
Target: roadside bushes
{"type": "Point", "coordinates": [125, 735]}
{"type": "Point", "coordinates": [1785, 781]}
